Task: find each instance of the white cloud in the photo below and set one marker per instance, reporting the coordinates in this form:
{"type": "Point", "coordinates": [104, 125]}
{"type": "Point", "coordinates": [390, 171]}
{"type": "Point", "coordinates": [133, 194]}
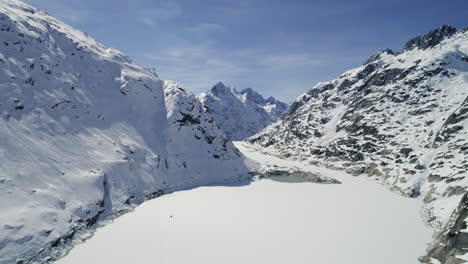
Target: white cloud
{"type": "Point", "coordinates": [225, 65]}
{"type": "Point", "coordinates": [166, 11]}
{"type": "Point", "coordinates": [186, 51]}
{"type": "Point", "coordinates": [289, 60]}
{"type": "Point", "coordinates": [146, 20]}
{"type": "Point", "coordinates": [206, 28]}
{"type": "Point", "coordinates": [198, 67]}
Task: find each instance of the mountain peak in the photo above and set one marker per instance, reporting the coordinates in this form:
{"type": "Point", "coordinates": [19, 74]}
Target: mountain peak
{"type": "Point", "coordinates": [431, 39]}
{"type": "Point", "coordinates": [248, 91]}
{"type": "Point", "coordinates": [271, 100]}
{"type": "Point", "coordinates": [241, 114]}
{"type": "Point", "coordinates": [220, 88]}
{"type": "Point", "coordinates": [253, 96]}
{"type": "Point", "coordinates": [379, 54]}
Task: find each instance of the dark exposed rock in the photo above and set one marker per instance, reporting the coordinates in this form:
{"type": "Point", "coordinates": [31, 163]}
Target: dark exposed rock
{"type": "Point", "coordinates": [92, 220]}
{"type": "Point", "coordinates": [366, 71]}
{"type": "Point", "coordinates": [292, 109]}
{"type": "Point", "coordinates": [419, 167]}
{"type": "Point", "coordinates": [64, 238]}
{"type": "Point", "coordinates": [369, 147]}
{"type": "Point", "coordinates": [220, 88]}
{"type": "Point", "coordinates": [188, 119]}
{"type": "Point", "coordinates": [459, 115]}
{"type": "Point", "coordinates": [287, 172]}
{"type": "Point", "coordinates": [378, 55]}
{"type": "Point", "coordinates": [453, 240]}
{"type": "Point", "coordinates": [420, 111]}
{"type": "Point", "coordinates": [455, 191]}
{"type": "Point", "coordinates": [317, 151]}
{"type": "Point", "coordinates": [446, 133]}
{"type": "Point", "coordinates": [317, 133]}
{"type": "Point", "coordinates": [383, 78]}
{"type": "Point", "coordinates": [356, 171]}
{"type": "Point", "coordinates": [345, 84]}
{"type": "Point", "coordinates": [350, 155]}
{"type": "Point", "coordinates": [406, 151]}
{"type": "Point", "coordinates": [431, 39]}
{"type": "Point", "coordinates": [415, 192]}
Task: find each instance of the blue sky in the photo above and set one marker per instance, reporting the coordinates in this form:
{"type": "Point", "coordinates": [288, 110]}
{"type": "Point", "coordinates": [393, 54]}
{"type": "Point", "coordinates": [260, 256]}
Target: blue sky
{"type": "Point", "coordinates": [280, 48]}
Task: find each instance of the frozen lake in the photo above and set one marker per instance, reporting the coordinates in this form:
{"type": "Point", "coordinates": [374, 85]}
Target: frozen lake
{"type": "Point", "coordinates": [266, 222]}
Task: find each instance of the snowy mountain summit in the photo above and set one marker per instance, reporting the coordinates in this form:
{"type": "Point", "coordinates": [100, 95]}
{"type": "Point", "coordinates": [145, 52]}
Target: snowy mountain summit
{"type": "Point", "coordinates": [240, 114]}
{"type": "Point", "coordinates": [274, 107]}
{"type": "Point", "coordinates": [86, 135]}
{"type": "Point", "coordinates": [400, 119]}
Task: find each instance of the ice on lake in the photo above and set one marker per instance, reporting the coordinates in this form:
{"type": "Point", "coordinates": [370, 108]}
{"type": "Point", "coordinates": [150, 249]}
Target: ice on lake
{"type": "Point", "coordinates": [266, 221]}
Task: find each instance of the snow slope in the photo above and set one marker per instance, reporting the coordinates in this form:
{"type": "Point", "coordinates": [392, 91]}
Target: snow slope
{"type": "Point", "coordinates": [400, 119]}
{"type": "Point", "coordinates": [240, 114]}
{"type": "Point", "coordinates": [266, 221]}
{"type": "Point", "coordinates": [86, 135]}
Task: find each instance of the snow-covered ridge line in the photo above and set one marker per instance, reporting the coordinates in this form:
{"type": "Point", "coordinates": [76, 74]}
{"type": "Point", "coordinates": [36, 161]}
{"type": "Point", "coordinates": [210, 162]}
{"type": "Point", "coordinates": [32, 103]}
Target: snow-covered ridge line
{"type": "Point", "coordinates": [241, 114]}
{"type": "Point", "coordinates": [400, 119]}
{"type": "Point", "coordinates": [85, 135]}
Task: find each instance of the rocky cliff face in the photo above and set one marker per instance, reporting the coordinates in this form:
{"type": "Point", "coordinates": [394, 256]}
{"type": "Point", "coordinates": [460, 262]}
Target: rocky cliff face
{"type": "Point", "coordinates": [240, 114]}
{"type": "Point", "coordinates": [401, 119]}
{"type": "Point", "coordinates": [86, 135]}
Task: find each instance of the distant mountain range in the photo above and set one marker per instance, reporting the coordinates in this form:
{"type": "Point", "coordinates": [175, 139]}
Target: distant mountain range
{"type": "Point", "coordinates": [240, 114]}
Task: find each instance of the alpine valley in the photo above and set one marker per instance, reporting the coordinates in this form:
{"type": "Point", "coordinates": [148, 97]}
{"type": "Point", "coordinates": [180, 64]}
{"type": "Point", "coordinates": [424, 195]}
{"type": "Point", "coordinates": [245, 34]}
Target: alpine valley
{"type": "Point", "coordinates": [86, 136]}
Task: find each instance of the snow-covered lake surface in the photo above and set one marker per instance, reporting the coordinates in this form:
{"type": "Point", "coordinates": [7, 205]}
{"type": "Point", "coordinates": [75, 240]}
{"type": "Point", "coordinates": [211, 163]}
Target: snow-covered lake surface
{"type": "Point", "coordinates": [266, 221]}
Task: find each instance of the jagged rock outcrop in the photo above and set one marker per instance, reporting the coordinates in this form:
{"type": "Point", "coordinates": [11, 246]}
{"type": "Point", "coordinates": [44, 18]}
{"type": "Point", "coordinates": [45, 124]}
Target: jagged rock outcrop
{"type": "Point", "coordinates": [293, 173]}
{"type": "Point", "coordinates": [86, 135]}
{"type": "Point", "coordinates": [273, 107]}
{"type": "Point", "coordinates": [452, 241]}
{"type": "Point", "coordinates": [240, 114]}
{"type": "Point", "coordinates": [400, 119]}
{"type": "Point", "coordinates": [431, 39]}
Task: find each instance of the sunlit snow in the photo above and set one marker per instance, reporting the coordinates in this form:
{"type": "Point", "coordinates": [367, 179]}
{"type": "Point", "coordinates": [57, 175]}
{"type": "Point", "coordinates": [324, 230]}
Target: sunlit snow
{"type": "Point", "coordinates": [266, 222]}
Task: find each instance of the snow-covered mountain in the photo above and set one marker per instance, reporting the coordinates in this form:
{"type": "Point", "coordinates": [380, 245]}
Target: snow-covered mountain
{"type": "Point", "coordinates": [240, 114]}
{"type": "Point", "coordinates": [400, 119]}
{"type": "Point", "coordinates": [273, 107]}
{"type": "Point", "coordinates": [86, 135]}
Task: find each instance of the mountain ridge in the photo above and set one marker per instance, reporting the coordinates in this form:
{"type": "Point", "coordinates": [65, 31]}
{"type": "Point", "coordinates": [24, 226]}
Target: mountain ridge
{"type": "Point", "coordinates": [86, 136]}
{"type": "Point", "coordinates": [240, 114]}
{"type": "Point", "coordinates": [400, 119]}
